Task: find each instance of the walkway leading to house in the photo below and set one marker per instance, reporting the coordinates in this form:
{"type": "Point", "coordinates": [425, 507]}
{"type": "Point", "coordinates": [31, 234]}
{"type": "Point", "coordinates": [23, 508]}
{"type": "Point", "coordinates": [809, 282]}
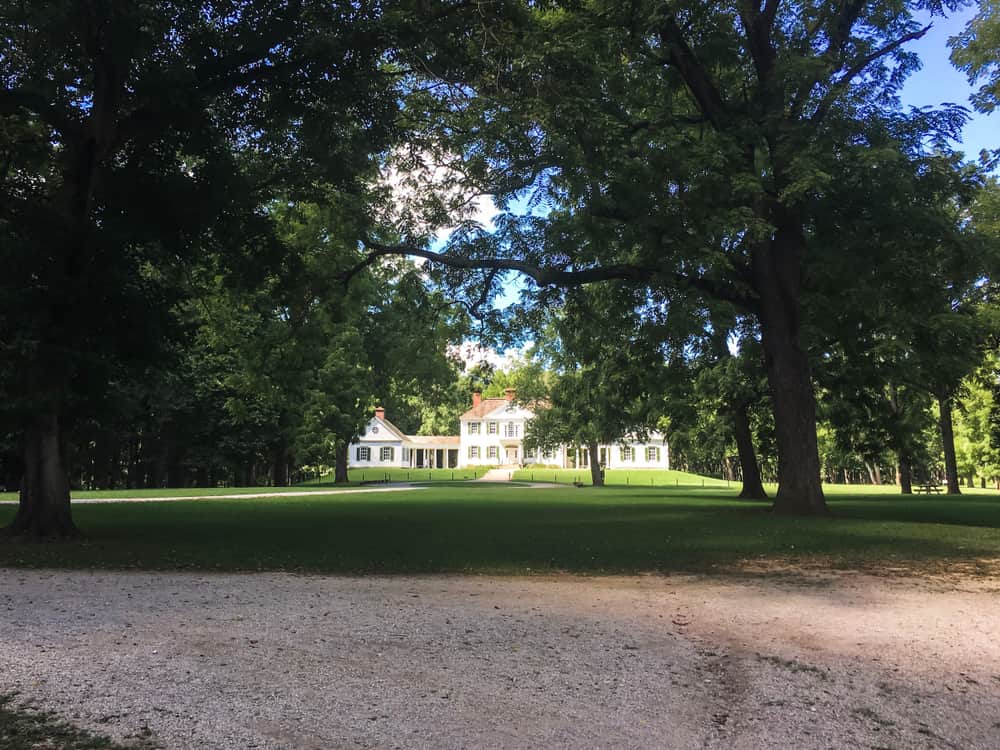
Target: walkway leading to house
{"type": "Point", "coordinates": [506, 475]}
{"type": "Point", "coordinates": [496, 475]}
{"type": "Point", "coordinates": [399, 487]}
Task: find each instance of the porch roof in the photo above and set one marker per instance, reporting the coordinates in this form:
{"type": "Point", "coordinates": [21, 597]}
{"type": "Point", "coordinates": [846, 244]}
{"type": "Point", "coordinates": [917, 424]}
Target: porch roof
{"type": "Point", "coordinates": [434, 441]}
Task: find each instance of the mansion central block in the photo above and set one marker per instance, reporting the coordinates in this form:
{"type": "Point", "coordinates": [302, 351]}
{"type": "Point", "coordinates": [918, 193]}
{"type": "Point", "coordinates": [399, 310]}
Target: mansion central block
{"type": "Point", "coordinates": [491, 434]}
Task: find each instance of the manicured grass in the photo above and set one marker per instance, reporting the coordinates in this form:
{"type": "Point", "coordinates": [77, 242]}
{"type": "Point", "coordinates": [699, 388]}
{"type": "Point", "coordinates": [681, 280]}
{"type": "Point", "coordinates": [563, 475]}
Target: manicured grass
{"type": "Point", "coordinates": [191, 491]}
{"type": "Point", "coordinates": [356, 476]}
{"type": "Point", "coordinates": [496, 529]}
{"type": "Point", "coordinates": [416, 475]}
{"type": "Point", "coordinates": [623, 477]}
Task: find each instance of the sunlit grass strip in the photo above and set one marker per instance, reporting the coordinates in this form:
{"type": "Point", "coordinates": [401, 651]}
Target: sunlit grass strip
{"type": "Point", "coordinates": [621, 477]}
{"type": "Point", "coordinates": [466, 528]}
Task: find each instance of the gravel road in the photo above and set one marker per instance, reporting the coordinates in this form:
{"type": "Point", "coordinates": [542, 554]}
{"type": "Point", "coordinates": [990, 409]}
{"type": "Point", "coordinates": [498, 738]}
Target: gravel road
{"type": "Point", "coordinates": [397, 487]}
{"type": "Point", "coordinates": [288, 661]}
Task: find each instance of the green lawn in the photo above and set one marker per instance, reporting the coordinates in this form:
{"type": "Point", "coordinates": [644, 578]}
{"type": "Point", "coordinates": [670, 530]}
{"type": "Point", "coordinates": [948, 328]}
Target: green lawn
{"type": "Point", "coordinates": [495, 529]}
{"type": "Point", "coordinates": [357, 476]}
{"type": "Point", "coordinates": [416, 475]}
{"type": "Point", "coordinates": [623, 477]}
{"type": "Point", "coordinates": [191, 491]}
{"type": "Point", "coordinates": [614, 478]}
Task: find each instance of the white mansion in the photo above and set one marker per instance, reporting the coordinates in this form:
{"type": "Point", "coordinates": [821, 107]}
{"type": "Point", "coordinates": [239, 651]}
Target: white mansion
{"type": "Point", "coordinates": [492, 432]}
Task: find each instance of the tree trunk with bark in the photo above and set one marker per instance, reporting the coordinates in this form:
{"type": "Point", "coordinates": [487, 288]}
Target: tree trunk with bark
{"type": "Point", "coordinates": [872, 478]}
{"type": "Point", "coordinates": [132, 480]}
{"type": "Point", "coordinates": [279, 468]}
{"type": "Point", "coordinates": [44, 508]}
{"type": "Point", "coordinates": [175, 474]}
{"type": "Point", "coordinates": [904, 474]}
{"type": "Point", "coordinates": [596, 478]}
{"type": "Point", "coordinates": [340, 464]}
{"type": "Point", "coordinates": [777, 272]}
{"type": "Point", "coordinates": [753, 488]}
{"type": "Point", "coordinates": [948, 442]}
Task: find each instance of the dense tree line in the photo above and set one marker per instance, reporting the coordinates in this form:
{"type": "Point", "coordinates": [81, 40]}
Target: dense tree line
{"type": "Point", "coordinates": [732, 226]}
{"type": "Point", "coordinates": [144, 145]}
{"type": "Point", "coordinates": [751, 154]}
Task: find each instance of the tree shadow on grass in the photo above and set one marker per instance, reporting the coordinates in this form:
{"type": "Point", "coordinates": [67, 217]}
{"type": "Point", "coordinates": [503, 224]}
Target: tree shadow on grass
{"type": "Point", "coordinates": [495, 532]}
{"type": "Point", "coordinates": [981, 511]}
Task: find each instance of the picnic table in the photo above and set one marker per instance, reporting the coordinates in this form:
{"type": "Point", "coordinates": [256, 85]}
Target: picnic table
{"type": "Point", "coordinates": [927, 488]}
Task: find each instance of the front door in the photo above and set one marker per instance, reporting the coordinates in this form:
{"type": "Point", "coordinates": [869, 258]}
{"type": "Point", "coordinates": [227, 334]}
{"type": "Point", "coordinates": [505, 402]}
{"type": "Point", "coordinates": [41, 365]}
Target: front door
{"type": "Point", "coordinates": [512, 455]}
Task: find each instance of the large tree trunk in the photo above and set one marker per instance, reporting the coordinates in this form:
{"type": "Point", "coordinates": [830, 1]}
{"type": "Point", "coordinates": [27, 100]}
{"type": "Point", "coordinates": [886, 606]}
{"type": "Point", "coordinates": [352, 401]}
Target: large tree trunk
{"type": "Point", "coordinates": [777, 272]}
{"type": "Point", "coordinates": [596, 478]}
{"type": "Point", "coordinates": [753, 488]}
{"type": "Point", "coordinates": [279, 468]}
{"type": "Point", "coordinates": [279, 472]}
{"type": "Point", "coordinates": [340, 464]}
{"type": "Point", "coordinates": [175, 472]}
{"type": "Point", "coordinates": [904, 474]}
{"type": "Point", "coordinates": [156, 471]}
{"type": "Point", "coordinates": [728, 473]}
{"type": "Point", "coordinates": [948, 441]}
{"type": "Point", "coordinates": [44, 509]}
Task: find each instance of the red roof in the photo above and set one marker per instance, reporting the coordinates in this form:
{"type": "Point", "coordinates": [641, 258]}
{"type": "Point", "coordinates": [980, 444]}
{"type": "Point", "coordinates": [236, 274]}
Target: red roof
{"type": "Point", "coordinates": [485, 407]}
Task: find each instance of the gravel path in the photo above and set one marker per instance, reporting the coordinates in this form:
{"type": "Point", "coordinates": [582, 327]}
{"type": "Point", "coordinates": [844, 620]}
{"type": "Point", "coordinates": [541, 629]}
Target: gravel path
{"type": "Point", "coordinates": [396, 487]}
{"type": "Point", "coordinates": [287, 661]}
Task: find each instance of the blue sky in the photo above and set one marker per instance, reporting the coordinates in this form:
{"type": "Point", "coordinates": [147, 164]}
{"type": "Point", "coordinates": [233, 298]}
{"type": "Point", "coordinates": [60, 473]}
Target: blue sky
{"type": "Point", "coordinates": [939, 82]}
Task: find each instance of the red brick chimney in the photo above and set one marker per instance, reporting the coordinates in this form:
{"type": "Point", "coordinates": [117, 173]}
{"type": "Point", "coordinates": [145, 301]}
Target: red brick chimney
{"type": "Point", "coordinates": [477, 398]}
{"type": "Point", "coordinates": [509, 394]}
{"type": "Point", "coordinates": [380, 412]}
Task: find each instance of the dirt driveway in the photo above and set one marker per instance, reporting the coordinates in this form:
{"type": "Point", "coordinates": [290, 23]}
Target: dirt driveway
{"type": "Point", "coordinates": [287, 661]}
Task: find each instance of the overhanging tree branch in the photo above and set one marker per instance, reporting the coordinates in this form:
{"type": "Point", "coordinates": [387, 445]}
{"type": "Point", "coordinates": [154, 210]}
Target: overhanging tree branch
{"type": "Point", "coordinates": [549, 276]}
{"type": "Point", "coordinates": [704, 90]}
{"type": "Point", "coordinates": [541, 275]}
{"type": "Point", "coordinates": [757, 24]}
{"type": "Point", "coordinates": [856, 69]}
{"type": "Point", "coordinates": [13, 101]}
